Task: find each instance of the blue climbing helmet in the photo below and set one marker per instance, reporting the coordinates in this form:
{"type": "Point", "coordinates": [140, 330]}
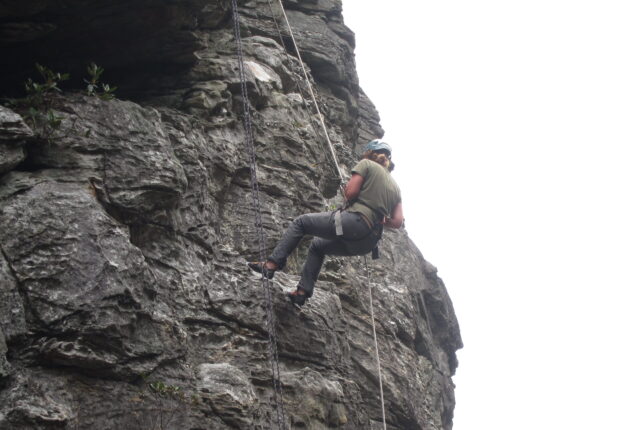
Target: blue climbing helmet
{"type": "Point", "coordinates": [378, 145]}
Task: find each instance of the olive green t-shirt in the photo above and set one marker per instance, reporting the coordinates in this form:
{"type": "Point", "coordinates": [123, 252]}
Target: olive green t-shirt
{"type": "Point", "coordinates": [379, 191]}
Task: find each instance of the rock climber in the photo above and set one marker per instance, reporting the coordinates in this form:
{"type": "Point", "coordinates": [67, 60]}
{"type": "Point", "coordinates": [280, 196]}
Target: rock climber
{"type": "Point", "coordinates": [373, 201]}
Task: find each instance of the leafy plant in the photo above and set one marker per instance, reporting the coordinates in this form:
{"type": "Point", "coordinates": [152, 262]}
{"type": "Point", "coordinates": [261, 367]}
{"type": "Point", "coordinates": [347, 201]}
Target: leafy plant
{"type": "Point", "coordinates": [39, 101]}
{"type": "Point", "coordinates": [97, 88]}
{"type": "Point", "coordinates": [36, 91]}
{"type": "Point", "coordinates": [37, 106]}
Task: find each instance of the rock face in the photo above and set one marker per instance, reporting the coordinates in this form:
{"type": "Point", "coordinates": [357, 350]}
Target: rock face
{"type": "Point", "coordinates": [14, 133]}
{"type": "Point", "coordinates": [125, 301]}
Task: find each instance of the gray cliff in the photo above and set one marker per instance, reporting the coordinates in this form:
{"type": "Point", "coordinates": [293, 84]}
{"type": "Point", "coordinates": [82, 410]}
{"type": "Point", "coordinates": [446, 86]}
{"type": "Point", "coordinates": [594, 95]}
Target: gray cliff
{"type": "Point", "coordinates": [125, 302]}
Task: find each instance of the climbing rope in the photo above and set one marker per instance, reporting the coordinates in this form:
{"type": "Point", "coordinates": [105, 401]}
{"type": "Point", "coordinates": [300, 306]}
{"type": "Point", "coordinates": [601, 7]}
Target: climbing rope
{"type": "Point", "coordinates": [342, 179]}
{"type": "Point", "coordinates": [375, 341]}
{"type": "Point", "coordinates": [298, 86]}
{"type": "Point", "coordinates": [250, 148]}
{"type": "Point", "coordinates": [313, 97]}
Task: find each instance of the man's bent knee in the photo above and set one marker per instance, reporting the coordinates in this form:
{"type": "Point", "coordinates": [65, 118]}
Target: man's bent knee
{"type": "Point", "coordinates": [317, 246]}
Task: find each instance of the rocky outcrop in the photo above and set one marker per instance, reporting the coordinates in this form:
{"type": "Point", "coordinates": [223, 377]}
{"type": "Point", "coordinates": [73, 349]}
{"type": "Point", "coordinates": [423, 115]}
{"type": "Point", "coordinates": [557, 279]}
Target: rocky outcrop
{"type": "Point", "coordinates": [125, 301]}
{"type": "Point", "coordinates": [14, 133]}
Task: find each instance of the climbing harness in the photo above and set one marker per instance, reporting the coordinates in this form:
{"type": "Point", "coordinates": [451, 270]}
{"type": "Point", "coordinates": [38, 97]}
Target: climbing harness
{"type": "Point", "coordinates": [338, 222]}
{"type": "Point", "coordinates": [250, 148]}
{"type": "Point", "coordinates": [376, 228]}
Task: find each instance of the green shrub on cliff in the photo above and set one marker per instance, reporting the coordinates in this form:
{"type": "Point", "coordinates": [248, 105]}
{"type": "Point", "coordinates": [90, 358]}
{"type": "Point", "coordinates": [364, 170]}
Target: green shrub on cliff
{"type": "Point", "coordinates": [39, 101]}
{"type": "Point", "coordinates": [97, 88]}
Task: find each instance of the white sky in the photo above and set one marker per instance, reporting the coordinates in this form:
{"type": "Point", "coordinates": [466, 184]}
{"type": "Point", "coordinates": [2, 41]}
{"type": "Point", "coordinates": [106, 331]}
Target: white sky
{"type": "Point", "coordinates": [516, 130]}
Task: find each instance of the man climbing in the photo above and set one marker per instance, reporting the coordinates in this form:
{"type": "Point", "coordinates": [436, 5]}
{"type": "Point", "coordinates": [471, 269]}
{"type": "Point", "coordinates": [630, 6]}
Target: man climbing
{"type": "Point", "coordinates": [372, 202]}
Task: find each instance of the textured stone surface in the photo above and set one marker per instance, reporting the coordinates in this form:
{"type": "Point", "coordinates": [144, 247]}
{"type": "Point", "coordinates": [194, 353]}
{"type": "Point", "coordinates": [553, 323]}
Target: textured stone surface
{"type": "Point", "coordinates": [12, 315]}
{"type": "Point", "coordinates": [125, 301]}
{"type": "Point", "coordinates": [229, 392]}
{"type": "Point", "coordinates": [5, 367]}
{"type": "Point", "coordinates": [14, 133]}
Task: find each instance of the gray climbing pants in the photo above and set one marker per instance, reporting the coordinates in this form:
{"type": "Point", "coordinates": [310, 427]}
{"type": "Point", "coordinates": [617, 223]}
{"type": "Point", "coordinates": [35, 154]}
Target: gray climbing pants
{"type": "Point", "coordinates": [357, 239]}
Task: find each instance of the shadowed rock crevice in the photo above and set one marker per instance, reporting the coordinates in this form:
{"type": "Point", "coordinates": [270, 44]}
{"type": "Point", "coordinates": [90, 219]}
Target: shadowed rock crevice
{"type": "Point", "coordinates": [120, 35]}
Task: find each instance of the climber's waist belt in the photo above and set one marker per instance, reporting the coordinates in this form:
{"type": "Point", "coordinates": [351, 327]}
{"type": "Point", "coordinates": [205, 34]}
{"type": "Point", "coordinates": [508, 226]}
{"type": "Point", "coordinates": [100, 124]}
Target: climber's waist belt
{"type": "Point", "coordinates": [338, 222]}
{"type": "Point", "coordinates": [366, 220]}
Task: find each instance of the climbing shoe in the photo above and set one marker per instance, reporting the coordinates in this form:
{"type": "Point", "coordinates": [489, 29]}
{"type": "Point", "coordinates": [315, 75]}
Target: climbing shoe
{"type": "Point", "coordinates": [298, 297]}
{"type": "Point", "coordinates": [261, 267]}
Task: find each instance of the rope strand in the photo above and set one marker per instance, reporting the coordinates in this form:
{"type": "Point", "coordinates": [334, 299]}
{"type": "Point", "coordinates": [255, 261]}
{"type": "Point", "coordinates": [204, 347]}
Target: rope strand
{"type": "Point", "coordinates": [375, 341]}
{"type": "Point", "coordinates": [313, 97]}
{"type": "Point", "coordinates": [300, 91]}
{"type": "Point", "coordinates": [250, 148]}
{"type": "Point", "coordinates": [342, 179]}
{"type": "Point", "coordinates": [255, 189]}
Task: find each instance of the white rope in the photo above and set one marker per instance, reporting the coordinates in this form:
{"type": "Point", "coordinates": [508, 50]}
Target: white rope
{"type": "Point", "coordinates": [375, 341]}
{"type": "Point", "coordinates": [313, 97]}
{"type": "Point", "coordinates": [342, 178]}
